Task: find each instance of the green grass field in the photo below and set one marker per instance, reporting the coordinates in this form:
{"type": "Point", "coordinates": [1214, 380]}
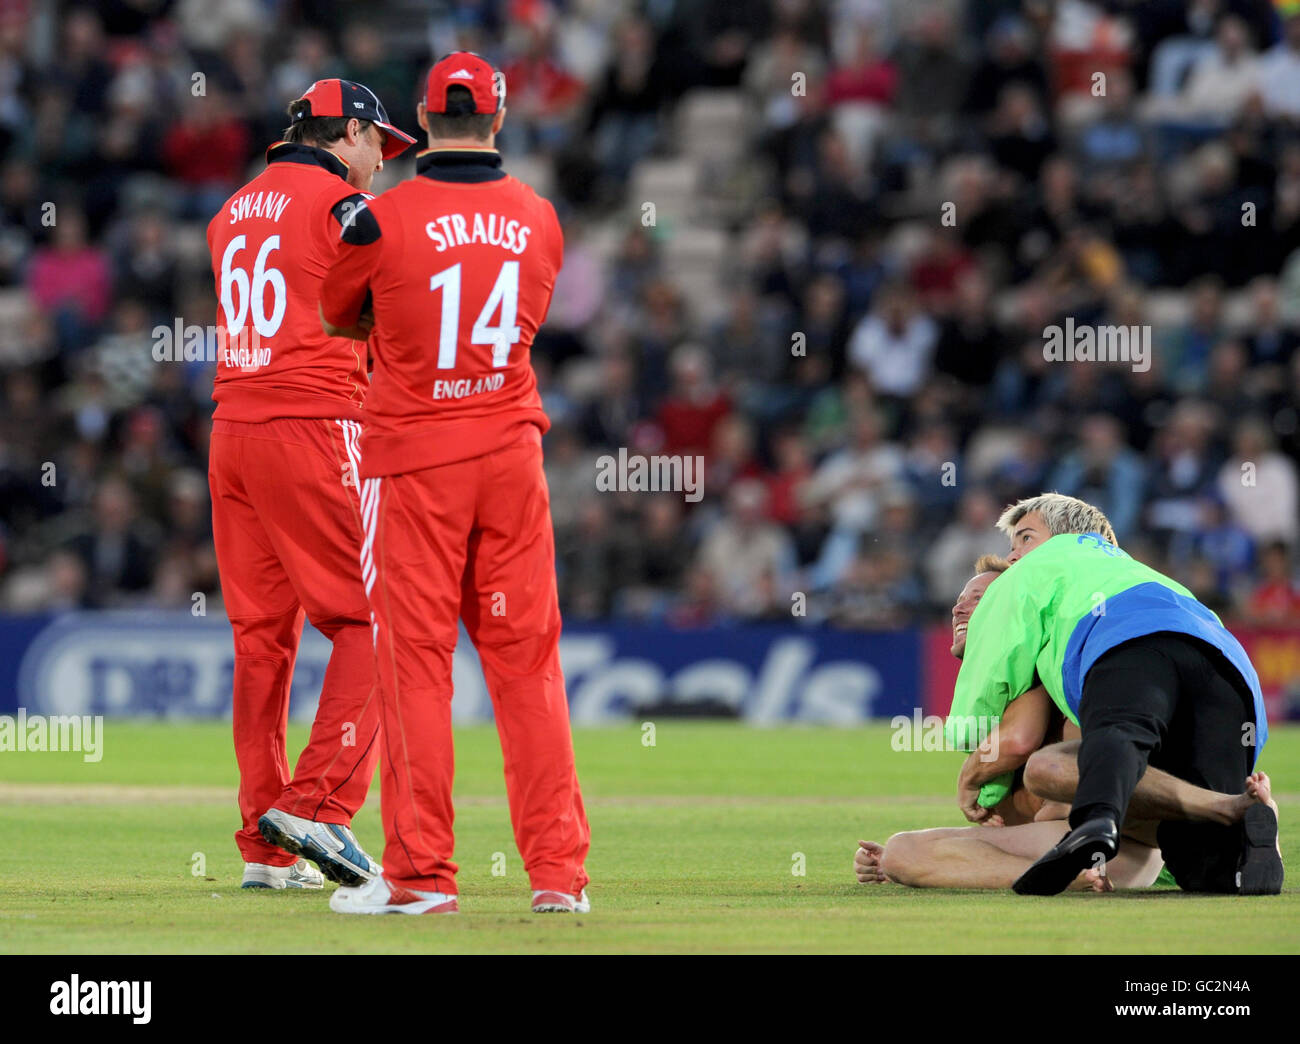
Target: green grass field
{"type": "Point", "coordinates": [695, 841]}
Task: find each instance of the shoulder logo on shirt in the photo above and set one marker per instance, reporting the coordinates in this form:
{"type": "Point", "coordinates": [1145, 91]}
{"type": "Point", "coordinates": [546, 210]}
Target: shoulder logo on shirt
{"type": "Point", "coordinates": [357, 225]}
{"type": "Point", "coordinates": [1100, 543]}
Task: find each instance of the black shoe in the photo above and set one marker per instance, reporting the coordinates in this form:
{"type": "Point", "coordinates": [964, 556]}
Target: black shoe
{"type": "Point", "coordinates": [1076, 852]}
{"type": "Point", "coordinates": [1260, 870]}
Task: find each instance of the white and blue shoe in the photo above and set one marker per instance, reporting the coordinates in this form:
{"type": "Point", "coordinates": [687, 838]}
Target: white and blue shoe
{"type": "Point", "coordinates": [297, 875]}
{"type": "Point", "coordinates": [331, 846]}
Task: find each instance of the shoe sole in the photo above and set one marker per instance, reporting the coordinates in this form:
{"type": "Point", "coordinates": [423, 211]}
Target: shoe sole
{"type": "Point", "coordinates": [337, 870]}
{"type": "Point", "coordinates": [553, 908]}
{"type": "Point", "coordinates": [1052, 874]}
{"type": "Point", "coordinates": [439, 908]}
{"type": "Point", "coordinates": [1260, 871]}
{"type": "Point", "coordinates": [314, 886]}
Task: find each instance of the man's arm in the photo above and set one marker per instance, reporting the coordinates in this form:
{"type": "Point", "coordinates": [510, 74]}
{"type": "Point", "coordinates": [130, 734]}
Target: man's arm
{"type": "Point", "coordinates": [359, 331]}
{"type": "Point", "coordinates": [346, 285]}
{"type": "Point", "coordinates": [1021, 731]}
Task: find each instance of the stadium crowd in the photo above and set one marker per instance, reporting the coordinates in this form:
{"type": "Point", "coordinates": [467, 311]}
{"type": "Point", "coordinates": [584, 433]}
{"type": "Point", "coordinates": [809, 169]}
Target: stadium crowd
{"type": "Point", "coordinates": [923, 189]}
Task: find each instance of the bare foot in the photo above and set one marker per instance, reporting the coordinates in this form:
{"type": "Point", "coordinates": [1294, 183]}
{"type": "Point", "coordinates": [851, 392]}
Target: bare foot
{"type": "Point", "coordinates": [1259, 788]}
{"type": "Point", "coordinates": [866, 863]}
{"type": "Point", "coordinates": [1094, 879]}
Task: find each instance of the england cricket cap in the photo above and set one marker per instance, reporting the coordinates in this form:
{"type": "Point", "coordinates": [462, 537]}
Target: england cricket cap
{"type": "Point", "coordinates": [345, 98]}
{"type": "Point", "coordinates": [474, 73]}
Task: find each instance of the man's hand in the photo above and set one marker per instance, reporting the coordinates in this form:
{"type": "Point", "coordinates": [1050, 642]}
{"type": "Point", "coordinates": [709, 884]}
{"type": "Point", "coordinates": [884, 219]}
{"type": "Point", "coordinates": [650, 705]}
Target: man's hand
{"type": "Point", "coordinates": [968, 798]}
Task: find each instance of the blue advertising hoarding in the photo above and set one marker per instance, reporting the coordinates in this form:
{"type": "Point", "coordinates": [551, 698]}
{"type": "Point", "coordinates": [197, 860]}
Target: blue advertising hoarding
{"type": "Point", "coordinates": [174, 665]}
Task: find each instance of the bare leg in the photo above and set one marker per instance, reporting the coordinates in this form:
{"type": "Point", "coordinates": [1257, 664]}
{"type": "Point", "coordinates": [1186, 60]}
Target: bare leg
{"type": "Point", "coordinates": [990, 857]}
{"type": "Point", "coordinates": [1053, 774]}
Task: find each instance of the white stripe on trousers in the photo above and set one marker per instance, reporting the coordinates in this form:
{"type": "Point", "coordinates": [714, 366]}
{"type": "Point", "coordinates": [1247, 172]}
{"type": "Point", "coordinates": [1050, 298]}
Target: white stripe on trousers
{"type": "Point", "coordinates": [369, 512]}
{"type": "Point", "coordinates": [369, 500]}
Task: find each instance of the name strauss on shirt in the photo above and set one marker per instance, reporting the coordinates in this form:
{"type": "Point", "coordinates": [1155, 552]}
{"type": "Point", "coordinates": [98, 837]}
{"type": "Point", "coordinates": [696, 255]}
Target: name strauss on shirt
{"type": "Point", "coordinates": [451, 230]}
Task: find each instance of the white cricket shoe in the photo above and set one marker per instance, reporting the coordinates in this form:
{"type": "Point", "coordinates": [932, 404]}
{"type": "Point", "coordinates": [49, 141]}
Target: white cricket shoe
{"type": "Point", "coordinates": [298, 875]}
{"type": "Point", "coordinates": [331, 846]}
{"type": "Point", "coordinates": [378, 896]}
{"type": "Point", "coordinates": [561, 902]}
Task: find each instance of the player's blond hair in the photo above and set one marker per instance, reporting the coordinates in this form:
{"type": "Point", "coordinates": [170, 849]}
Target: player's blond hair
{"type": "Point", "coordinates": [1061, 514]}
{"type": "Point", "coordinates": [991, 563]}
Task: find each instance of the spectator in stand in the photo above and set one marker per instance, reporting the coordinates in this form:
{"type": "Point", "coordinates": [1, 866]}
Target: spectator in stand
{"type": "Point", "coordinates": [1105, 472]}
{"type": "Point", "coordinates": [1275, 602]}
{"type": "Point", "coordinates": [877, 593]}
{"type": "Point", "coordinates": [146, 265]}
{"type": "Point", "coordinates": [1279, 71]}
{"type": "Point", "coordinates": [1020, 134]}
{"type": "Point", "coordinates": [970, 344]}
{"type": "Point", "coordinates": [1009, 57]}
{"type": "Point", "coordinates": [1220, 83]}
{"type": "Point", "coordinates": [1260, 485]}
{"type": "Point", "coordinates": [544, 97]}
{"type": "Point", "coordinates": [948, 562]}
{"type": "Point", "coordinates": [587, 560]}
{"type": "Point", "coordinates": [1190, 345]}
{"type": "Point", "coordinates": [695, 406]}
{"type": "Point", "coordinates": [933, 73]}
{"type": "Point", "coordinates": [939, 269]}
{"type": "Point", "coordinates": [656, 561]}
{"type": "Point", "coordinates": [743, 547]}
{"type": "Point", "coordinates": [610, 416]}
{"type": "Point", "coordinates": [623, 117]}
{"type": "Point", "coordinates": [847, 486]}
{"type": "Point", "coordinates": [772, 70]}
{"type": "Point", "coordinates": [894, 344]}
{"type": "Point", "coordinates": [1183, 471]}
{"type": "Point", "coordinates": [71, 280]}
{"type": "Point", "coordinates": [1226, 547]}
{"type": "Point", "coordinates": [786, 482]}
{"type": "Point", "coordinates": [116, 547]}
{"type": "Point", "coordinates": [1272, 342]}
{"type": "Point", "coordinates": [732, 456]}
{"type": "Point", "coordinates": [206, 152]}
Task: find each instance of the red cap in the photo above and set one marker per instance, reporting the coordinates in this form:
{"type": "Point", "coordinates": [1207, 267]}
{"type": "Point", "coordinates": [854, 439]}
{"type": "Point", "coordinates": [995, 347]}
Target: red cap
{"type": "Point", "coordinates": [471, 71]}
{"type": "Point", "coordinates": [345, 98]}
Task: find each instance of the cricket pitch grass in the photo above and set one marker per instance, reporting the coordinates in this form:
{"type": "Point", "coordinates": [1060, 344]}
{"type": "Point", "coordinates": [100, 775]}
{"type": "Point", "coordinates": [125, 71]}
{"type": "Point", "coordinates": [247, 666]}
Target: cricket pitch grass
{"type": "Point", "coordinates": [717, 838]}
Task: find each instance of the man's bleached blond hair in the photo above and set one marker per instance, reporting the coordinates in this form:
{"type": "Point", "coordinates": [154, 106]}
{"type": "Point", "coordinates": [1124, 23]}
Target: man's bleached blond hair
{"type": "Point", "coordinates": [1061, 514]}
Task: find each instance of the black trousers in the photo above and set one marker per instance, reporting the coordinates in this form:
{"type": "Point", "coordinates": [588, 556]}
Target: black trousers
{"type": "Point", "coordinates": [1176, 703]}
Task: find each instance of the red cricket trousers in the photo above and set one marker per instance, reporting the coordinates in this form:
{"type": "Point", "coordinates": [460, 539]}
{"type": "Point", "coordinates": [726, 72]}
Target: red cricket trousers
{"type": "Point", "coordinates": [471, 540]}
{"type": "Point", "coordinates": [287, 527]}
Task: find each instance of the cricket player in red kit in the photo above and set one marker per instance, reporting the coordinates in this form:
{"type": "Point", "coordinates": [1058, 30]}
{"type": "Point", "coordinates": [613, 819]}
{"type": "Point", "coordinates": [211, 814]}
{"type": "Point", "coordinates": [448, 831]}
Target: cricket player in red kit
{"type": "Point", "coordinates": [460, 262]}
{"type": "Point", "coordinates": [285, 492]}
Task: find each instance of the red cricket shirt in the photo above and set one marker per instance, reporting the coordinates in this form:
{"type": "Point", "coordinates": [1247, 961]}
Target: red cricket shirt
{"type": "Point", "coordinates": [460, 261]}
{"type": "Point", "coordinates": [272, 243]}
